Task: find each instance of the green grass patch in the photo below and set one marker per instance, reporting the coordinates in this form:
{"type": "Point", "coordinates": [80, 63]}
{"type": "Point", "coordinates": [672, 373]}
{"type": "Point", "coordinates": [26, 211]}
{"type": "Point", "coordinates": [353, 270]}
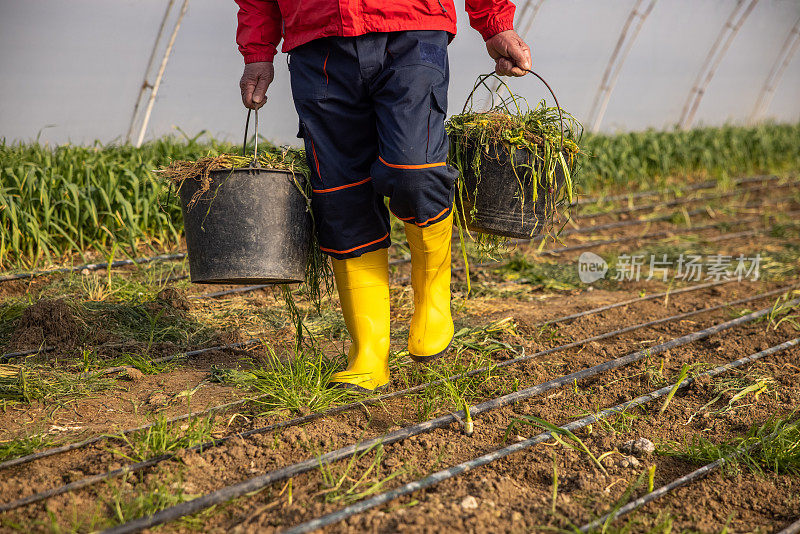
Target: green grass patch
{"type": "Point", "coordinates": [539, 272]}
{"type": "Point", "coordinates": [341, 484]}
{"type": "Point", "coordinates": [296, 382]}
{"type": "Point", "coordinates": [164, 437]}
{"type": "Point", "coordinates": [40, 382]}
{"type": "Point", "coordinates": [25, 445]}
{"type": "Point", "coordinates": [152, 321]}
{"type": "Point", "coordinates": [71, 199]}
{"type": "Point", "coordinates": [128, 502]}
{"type": "Point", "coordinates": [474, 347]}
{"type": "Point", "coordinates": [769, 447]}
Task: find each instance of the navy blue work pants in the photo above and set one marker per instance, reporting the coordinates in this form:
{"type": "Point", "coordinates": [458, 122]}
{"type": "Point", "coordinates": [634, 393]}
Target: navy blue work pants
{"type": "Point", "coordinates": [372, 112]}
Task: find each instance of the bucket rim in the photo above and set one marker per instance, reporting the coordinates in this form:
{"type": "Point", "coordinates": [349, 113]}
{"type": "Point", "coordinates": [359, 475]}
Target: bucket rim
{"type": "Point", "coordinates": [245, 280]}
{"type": "Point", "coordinates": [258, 169]}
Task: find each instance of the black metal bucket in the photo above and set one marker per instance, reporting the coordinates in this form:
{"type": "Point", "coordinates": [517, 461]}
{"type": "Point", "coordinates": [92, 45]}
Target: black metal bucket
{"type": "Point", "coordinates": [251, 227]}
{"type": "Point", "coordinates": [499, 198]}
{"type": "Point", "coordinates": [501, 201]}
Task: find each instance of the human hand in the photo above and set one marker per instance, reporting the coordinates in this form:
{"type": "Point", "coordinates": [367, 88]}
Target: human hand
{"type": "Point", "coordinates": [512, 56]}
{"type": "Point", "coordinates": [254, 83]}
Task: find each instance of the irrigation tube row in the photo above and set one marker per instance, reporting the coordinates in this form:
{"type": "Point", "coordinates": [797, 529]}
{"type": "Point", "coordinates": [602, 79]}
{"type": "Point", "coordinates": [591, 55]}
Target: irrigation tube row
{"type": "Point", "coordinates": [593, 244]}
{"type": "Point", "coordinates": [794, 528]}
{"type": "Point", "coordinates": [682, 201]}
{"type": "Point", "coordinates": [677, 483]}
{"type": "Point", "coordinates": [708, 184]}
{"type": "Point", "coordinates": [178, 256]}
{"type": "Point", "coordinates": [548, 252]}
{"type": "Point", "coordinates": [11, 355]}
{"type": "Point", "coordinates": [666, 233]}
{"type": "Point", "coordinates": [485, 459]}
{"type": "Point", "coordinates": [223, 407]}
{"type": "Point", "coordinates": [259, 482]}
{"type": "Point", "coordinates": [138, 466]}
{"type": "Point", "coordinates": [633, 222]}
{"type": "Point", "coordinates": [551, 252]}
{"type": "Point", "coordinates": [94, 266]}
{"type": "Point", "coordinates": [622, 211]}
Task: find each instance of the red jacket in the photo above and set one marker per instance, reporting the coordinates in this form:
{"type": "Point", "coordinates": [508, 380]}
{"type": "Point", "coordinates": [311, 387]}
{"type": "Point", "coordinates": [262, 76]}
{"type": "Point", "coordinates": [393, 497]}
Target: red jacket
{"type": "Point", "coordinates": [262, 23]}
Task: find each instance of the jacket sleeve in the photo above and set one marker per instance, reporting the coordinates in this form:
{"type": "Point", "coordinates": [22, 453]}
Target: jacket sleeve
{"type": "Point", "coordinates": [259, 30]}
{"type": "Point", "coordinates": [490, 17]}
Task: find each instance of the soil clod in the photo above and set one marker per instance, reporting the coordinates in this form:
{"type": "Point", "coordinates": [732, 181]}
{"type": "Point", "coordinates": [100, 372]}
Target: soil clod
{"type": "Point", "coordinates": [469, 503]}
{"type": "Point", "coordinates": [47, 322]}
{"type": "Point", "coordinates": [638, 447]}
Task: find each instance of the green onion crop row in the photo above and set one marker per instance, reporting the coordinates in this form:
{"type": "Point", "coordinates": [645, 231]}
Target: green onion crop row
{"type": "Point", "coordinates": [58, 201]}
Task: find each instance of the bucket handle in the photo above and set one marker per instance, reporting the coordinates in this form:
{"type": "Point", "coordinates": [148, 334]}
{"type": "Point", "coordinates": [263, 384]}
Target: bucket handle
{"type": "Point", "coordinates": [255, 162]}
{"type": "Point", "coordinates": [482, 77]}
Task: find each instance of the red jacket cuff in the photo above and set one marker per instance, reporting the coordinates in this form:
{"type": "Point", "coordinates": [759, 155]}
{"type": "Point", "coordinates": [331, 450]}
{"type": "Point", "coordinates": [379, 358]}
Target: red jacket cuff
{"type": "Point", "coordinates": [268, 55]}
{"type": "Point", "coordinates": [496, 26]}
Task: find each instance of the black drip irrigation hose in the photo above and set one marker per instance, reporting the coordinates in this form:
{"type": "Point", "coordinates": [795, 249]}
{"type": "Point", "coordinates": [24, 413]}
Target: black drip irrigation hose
{"type": "Point", "coordinates": [102, 437]}
{"type": "Point", "coordinates": [685, 200]}
{"type": "Point", "coordinates": [135, 467]}
{"type": "Point", "coordinates": [628, 302]}
{"type": "Point", "coordinates": [708, 184]}
{"type": "Point", "coordinates": [633, 209]}
{"type": "Point", "coordinates": [623, 239]}
{"type": "Point", "coordinates": [794, 528]}
{"type": "Point", "coordinates": [73, 446]}
{"type": "Point", "coordinates": [488, 458]}
{"type": "Point", "coordinates": [11, 355]}
{"type": "Point", "coordinates": [180, 355]}
{"type": "Point", "coordinates": [677, 483]}
{"type": "Point", "coordinates": [662, 205]}
{"type": "Point", "coordinates": [667, 233]}
{"type": "Point", "coordinates": [93, 266]}
{"type": "Point", "coordinates": [259, 482]}
{"type": "Point", "coordinates": [613, 226]}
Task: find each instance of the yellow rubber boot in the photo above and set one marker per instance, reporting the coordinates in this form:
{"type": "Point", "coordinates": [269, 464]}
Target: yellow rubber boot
{"type": "Point", "coordinates": [363, 286]}
{"type": "Point", "coordinates": [431, 331]}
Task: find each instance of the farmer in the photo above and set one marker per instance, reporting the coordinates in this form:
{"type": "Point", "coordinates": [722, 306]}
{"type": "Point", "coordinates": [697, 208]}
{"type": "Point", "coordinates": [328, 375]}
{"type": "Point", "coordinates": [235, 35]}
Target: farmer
{"type": "Point", "coordinates": [369, 80]}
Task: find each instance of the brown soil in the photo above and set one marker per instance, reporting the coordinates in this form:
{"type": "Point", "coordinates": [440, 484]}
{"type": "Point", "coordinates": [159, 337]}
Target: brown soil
{"type": "Point", "coordinates": [48, 322]}
{"type": "Point", "coordinates": [510, 495]}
